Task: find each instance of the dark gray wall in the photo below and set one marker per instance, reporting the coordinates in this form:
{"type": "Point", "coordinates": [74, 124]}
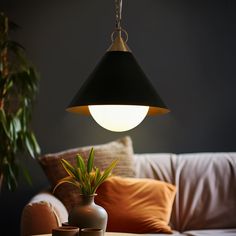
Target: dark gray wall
{"type": "Point", "coordinates": [187, 48]}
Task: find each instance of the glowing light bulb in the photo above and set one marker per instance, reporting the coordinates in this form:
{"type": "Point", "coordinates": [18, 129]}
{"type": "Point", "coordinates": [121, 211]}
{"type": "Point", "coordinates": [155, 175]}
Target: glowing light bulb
{"type": "Point", "coordinates": [118, 118]}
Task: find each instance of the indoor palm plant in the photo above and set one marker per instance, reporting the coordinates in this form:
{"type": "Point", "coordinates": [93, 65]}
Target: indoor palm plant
{"type": "Point", "coordinates": [18, 87]}
{"type": "Point", "coordinates": [87, 178]}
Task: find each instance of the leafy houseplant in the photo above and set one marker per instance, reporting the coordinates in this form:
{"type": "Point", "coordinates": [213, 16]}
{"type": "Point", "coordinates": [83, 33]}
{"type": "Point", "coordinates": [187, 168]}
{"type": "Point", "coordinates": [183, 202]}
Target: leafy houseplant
{"type": "Point", "coordinates": [86, 177]}
{"type": "Point", "coordinates": [18, 87]}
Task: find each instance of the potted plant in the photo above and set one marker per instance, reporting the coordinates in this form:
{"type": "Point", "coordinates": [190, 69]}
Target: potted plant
{"type": "Point", "coordinates": [87, 178]}
{"type": "Point", "coordinates": [18, 87]}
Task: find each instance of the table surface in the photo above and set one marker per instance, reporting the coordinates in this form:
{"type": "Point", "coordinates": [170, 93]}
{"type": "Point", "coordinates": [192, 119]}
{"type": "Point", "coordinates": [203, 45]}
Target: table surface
{"type": "Point", "coordinates": [106, 234]}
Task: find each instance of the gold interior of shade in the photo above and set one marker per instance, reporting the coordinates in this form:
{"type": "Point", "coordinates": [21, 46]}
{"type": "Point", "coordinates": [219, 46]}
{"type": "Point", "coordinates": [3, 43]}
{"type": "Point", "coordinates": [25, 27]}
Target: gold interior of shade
{"type": "Point", "coordinates": [85, 111]}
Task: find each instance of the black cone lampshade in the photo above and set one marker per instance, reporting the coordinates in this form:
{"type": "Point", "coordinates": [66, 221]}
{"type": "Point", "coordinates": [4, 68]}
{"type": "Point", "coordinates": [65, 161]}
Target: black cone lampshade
{"type": "Point", "coordinates": [118, 82]}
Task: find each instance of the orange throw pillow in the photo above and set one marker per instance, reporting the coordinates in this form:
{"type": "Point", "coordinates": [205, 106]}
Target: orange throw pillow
{"type": "Point", "coordinates": [136, 205]}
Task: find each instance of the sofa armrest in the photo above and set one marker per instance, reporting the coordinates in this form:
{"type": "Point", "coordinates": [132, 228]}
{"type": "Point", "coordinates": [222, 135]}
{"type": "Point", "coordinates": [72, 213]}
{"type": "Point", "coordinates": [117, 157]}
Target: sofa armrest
{"type": "Point", "coordinates": [43, 213]}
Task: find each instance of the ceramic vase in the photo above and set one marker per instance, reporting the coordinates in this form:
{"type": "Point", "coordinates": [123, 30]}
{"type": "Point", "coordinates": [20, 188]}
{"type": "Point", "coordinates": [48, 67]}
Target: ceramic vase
{"type": "Point", "coordinates": [88, 214]}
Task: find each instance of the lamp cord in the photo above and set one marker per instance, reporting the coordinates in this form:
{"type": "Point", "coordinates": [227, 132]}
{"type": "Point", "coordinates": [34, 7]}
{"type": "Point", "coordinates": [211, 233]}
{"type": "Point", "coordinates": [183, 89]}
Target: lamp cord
{"type": "Point", "coordinates": [118, 8]}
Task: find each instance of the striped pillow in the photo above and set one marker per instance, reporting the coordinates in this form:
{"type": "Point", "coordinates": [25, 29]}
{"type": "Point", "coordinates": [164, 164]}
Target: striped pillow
{"type": "Point", "coordinates": [121, 149]}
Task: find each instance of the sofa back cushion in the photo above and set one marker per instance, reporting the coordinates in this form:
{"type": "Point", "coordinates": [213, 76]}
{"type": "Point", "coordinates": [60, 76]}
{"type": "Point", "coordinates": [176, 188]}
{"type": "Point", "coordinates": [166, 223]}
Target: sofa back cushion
{"type": "Point", "coordinates": [206, 187]}
{"type": "Point", "coordinates": [206, 191]}
{"type": "Point", "coordinates": [159, 166]}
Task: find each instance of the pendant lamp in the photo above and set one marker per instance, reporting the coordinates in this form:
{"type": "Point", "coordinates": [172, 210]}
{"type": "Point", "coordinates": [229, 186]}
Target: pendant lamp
{"type": "Point", "coordinates": [117, 94]}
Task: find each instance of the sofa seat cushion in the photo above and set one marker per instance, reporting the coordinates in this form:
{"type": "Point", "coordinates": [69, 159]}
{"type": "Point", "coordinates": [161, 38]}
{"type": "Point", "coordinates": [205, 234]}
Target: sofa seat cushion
{"type": "Point", "coordinates": [212, 232]}
{"type": "Point", "coordinates": [174, 233]}
{"type": "Point", "coordinates": [136, 205]}
{"type": "Point", "coordinates": [120, 149]}
{"type": "Point", "coordinates": [220, 232]}
{"type": "Point", "coordinates": [226, 232]}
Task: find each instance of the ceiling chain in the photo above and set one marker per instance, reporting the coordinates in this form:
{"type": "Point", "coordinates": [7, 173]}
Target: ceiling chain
{"type": "Point", "coordinates": [118, 8]}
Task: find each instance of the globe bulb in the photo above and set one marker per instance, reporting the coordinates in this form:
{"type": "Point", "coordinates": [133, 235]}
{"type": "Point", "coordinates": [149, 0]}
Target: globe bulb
{"type": "Point", "coordinates": [118, 118]}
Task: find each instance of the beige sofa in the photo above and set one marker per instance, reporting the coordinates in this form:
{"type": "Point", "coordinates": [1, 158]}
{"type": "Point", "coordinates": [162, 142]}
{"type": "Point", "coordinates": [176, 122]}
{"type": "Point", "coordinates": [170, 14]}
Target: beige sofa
{"type": "Point", "coordinates": [205, 202]}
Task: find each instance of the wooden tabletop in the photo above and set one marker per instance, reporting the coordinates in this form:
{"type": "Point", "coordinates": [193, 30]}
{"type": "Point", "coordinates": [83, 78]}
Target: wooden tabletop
{"type": "Point", "coordinates": [106, 234]}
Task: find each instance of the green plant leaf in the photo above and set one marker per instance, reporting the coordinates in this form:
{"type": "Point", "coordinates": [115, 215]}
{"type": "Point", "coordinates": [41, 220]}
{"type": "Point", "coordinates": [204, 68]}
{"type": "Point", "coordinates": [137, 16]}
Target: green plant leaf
{"type": "Point", "coordinates": [18, 88]}
{"type": "Point", "coordinates": [16, 124]}
{"type": "Point", "coordinates": [26, 175]}
{"type": "Point", "coordinates": [88, 179]}
{"type": "Point", "coordinates": [90, 161]}
{"type": "Point", "coordinates": [23, 119]}
{"type": "Point", "coordinates": [80, 163]}
{"type": "Point", "coordinates": [29, 145]}
{"type": "Point", "coordinates": [79, 176]}
{"type": "Point", "coordinates": [4, 123]}
{"type": "Point", "coordinates": [9, 175]}
{"type": "Point", "coordinates": [11, 130]}
{"type": "Point", "coordinates": [97, 174]}
{"type": "Point", "coordinates": [30, 142]}
{"type": "Point", "coordinates": [34, 74]}
{"type": "Point", "coordinates": [105, 174]}
{"type": "Point", "coordinates": [2, 80]}
{"type": "Point", "coordinates": [83, 181]}
{"type": "Point", "coordinates": [69, 168]}
{"type": "Point", "coordinates": [69, 180]}
{"type": "Point", "coordinates": [13, 45]}
{"type": "Point", "coordinates": [96, 180]}
{"type": "Point", "coordinates": [19, 52]}
{"type": "Point", "coordinates": [108, 170]}
{"type": "Point", "coordinates": [8, 85]}
{"type": "Point", "coordinates": [35, 143]}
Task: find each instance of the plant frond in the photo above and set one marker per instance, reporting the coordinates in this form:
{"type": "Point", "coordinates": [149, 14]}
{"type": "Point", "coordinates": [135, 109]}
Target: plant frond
{"type": "Point", "coordinates": [88, 180]}
{"type": "Point", "coordinates": [105, 174]}
{"type": "Point", "coordinates": [80, 163]}
{"type": "Point", "coordinates": [68, 168]}
{"type": "Point", "coordinates": [90, 161]}
{"type": "Point", "coordinates": [69, 180]}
